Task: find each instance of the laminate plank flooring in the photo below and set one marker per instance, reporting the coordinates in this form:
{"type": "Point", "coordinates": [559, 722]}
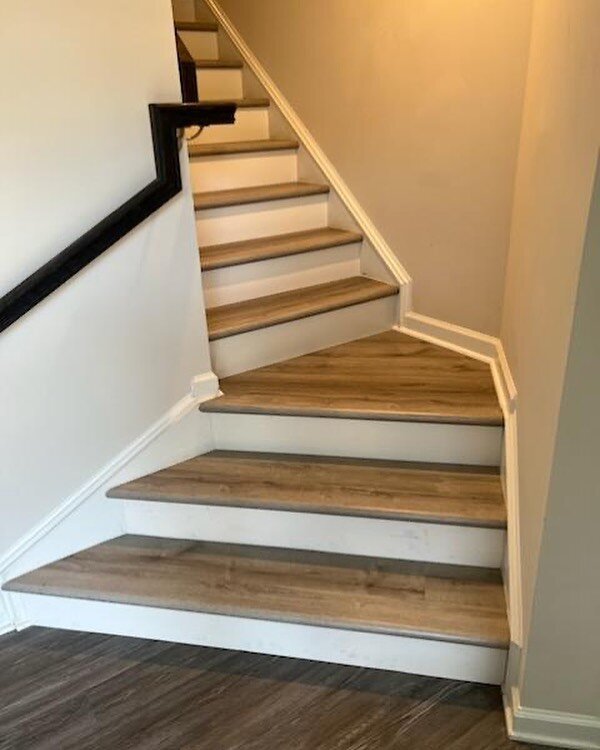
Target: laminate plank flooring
{"type": "Point", "coordinates": [440, 493]}
{"type": "Point", "coordinates": [387, 376]}
{"type": "Point", "coordinates": [444, 602]}
{"type": "Point", "coordinates": [242, 147]}
{"type": "Point", "coordinates": [258, 194]}
{"type": "Point", "coordinates": [262, 312]}
{"type": "Point", "coordinates": [64, 690]}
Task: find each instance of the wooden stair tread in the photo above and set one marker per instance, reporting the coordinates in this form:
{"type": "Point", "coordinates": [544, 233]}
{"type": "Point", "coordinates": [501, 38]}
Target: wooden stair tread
{"type": "Point", "coordinates": [276, 246]}
{"type": "Point", "coordinates": [196, 26]}
{"type": "Point", "coordinates": [245, 103]}
{"type": "Point", "coordinates": [256, 194]}
{"type": "Point", "coordinates": [241, 147]}
{"type": "Point", "coordinates": [398, 490]}
{"type": "Point", "coordinates": [262, 312]}
{"type": "Point", "coordinates": [219, 64]}
{"type": "Point", "coordinates": [451, 603]}
{"type": "Point", "coordinates": [387, 376]}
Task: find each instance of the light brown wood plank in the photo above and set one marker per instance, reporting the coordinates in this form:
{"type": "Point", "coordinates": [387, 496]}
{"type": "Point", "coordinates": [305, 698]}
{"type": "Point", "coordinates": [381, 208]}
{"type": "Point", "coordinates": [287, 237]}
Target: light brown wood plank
{"type": "Point", "coordinates": [241, 147]}
{"type": "Point", "coordinates": [386, 376]}
{"type": "Point", "coordinates": [262, 312]}
{"type": "Point", "coordinates": [444, 602]}
{"type": "Point", "coordinates": [246, 103]}
{"type": "Point", "coordinates": [277, 246]}
{"type": "Point", "coordinates": [196, 26]}
{"type": "Point", "coordinates": [219, 63]}
{"type": "Point", "coordinates": [397, 490]}
{"type": "Point", "coordinates": [258, 194]}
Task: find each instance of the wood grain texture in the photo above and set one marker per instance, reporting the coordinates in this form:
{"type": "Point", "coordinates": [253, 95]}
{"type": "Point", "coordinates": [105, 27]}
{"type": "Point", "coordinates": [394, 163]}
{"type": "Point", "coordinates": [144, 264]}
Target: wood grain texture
{"type": "Point", "coordinates": [425, 600]}
{"type": "Point", "coordinates": [395, 490]}
{"type": "Point", "coordinates": [258, 194]}
{"type": "Point", "coordinates": [277, 246]}
{"type": "Point", "coordinates": [218, 63]}
{"type": "Point", "coordinates": [196, 26]}
{"type": "Point", "coordinates": [241, 147]}
{"type": "Point", "coordinates": [262, 312]}
{"type": "Point", "coordinates": [83, 691]}
{"type": "Point", "coordinates": [386, 376]}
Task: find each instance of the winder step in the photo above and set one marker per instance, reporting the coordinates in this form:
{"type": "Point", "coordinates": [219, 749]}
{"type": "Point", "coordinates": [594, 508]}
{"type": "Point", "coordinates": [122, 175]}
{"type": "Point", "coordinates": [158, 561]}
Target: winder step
{"type": "Point", "coordinates": [389, 376]}
{"type": "Point", "coordinates": [241, 147]}
{"type": "Point", "coordinates": [257, 194]}
{"type": "Point", "coordinates": [424, 600]}
{"type": "Point", "coordinates": [394, 490]}
{"type": "Point", "coordinates": [263, 312]}
{"type": "Point", "coordinates": [275, 246]}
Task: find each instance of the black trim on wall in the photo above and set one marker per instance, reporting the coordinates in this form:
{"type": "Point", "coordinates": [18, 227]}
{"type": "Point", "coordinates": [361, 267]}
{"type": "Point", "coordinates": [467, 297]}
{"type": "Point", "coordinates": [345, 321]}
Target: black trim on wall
{"type": "Point", "coordinates": [165, 119]}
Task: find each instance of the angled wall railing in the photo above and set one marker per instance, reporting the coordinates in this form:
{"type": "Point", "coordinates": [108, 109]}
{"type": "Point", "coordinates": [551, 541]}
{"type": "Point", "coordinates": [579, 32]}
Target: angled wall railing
{"type": "Point", "coordinates": [165, 120]}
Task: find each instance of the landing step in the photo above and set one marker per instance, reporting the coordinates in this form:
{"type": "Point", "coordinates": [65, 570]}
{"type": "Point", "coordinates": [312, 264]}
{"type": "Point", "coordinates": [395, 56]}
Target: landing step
{"type": "Point", "coordinates": [219, 64]}
{"type": "Point", "coordinates": [241, 147]}
{"type": "Point", "coordinates": [396, 490]}
{"type": "Point", "coordinates": [275, 246]}
{"type": "Point", "coordinates": [263, 312]}
{"type": "Point", "coordinates": [423, 600]}
{"type": "Point", "coordinates": [389, 376]}
{"type": "Point", "coordinates": [258, 194]}
{"type": "Point", "coordinates": [196, 26]}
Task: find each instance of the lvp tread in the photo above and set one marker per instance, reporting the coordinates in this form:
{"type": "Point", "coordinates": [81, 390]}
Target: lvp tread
{"type": "Point", "coordinates": [245, 103]}
{"type": "Point", "coordinates": [283, 307]}
{"type": "Point", "coordinates": [277, 246]}
{"type": "Point", "coordinates": [242, 147]}
{"type": "Point", "coordinates": [389, 376]}
{"type": "Point", "coordinates": [196, 26]}
{"type": "Point", "coordinates": [425, 600]}
{"type": "Point", "coordinates": [397, 490]}
{"type": "Point", "coordinates": [256, 194]}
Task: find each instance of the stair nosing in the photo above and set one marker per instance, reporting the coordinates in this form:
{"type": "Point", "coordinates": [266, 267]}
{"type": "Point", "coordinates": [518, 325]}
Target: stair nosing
{"type": "Point", "coordinates": [208, 150]}
{"type": "Point", "coordinates": [258, 102]}
{"type": "Point", "coordinates": [385, 290]}
{"type": "Point", "coordinates": [244, 197]}
{"type": "Point", "coordinates": [350, 239]}
{"type": "Point", "coordinates": [268, 613]}
{"type": "Point", "coordinates": [218, 63]}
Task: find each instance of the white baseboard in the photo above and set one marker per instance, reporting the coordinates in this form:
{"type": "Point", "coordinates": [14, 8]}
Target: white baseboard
{"type": "Point", "coordinates": [34, 548]}
{"type": "Point", "coordinates": [555, 728]}
{"type": "Point", "coordinates": [458, 661]}
{"type": "Point", "coordinates": [330, 173]}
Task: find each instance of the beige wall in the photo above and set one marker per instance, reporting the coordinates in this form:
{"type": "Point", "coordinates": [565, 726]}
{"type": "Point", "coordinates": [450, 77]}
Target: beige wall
{"type": "Point", "coordinates": [418, 105]}
{"type": "Point", "coordinates": [560, 140]}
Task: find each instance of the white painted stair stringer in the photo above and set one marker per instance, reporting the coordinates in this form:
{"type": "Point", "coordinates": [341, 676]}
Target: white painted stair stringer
{"type": "Point", "coordinates": [426, 656]}
{"type": "Point", "coordinates": [350, 202]}
{"type": "Point", "coordinates": [223, 286]}
{"type": "Point", "coordinates": [247, 351]}
{"type": "Point", "coordinates": [349, 535]}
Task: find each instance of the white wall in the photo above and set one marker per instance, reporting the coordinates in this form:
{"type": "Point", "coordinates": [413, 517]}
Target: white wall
{"type": "Point", "coordinates": [95, 365]}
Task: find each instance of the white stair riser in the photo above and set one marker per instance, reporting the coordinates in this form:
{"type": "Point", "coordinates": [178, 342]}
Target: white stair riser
{"type": "Point", "coordinates": [243, 170]}
{"type": "Point", "coordinates": [359, 438]}
{"type": "Point", "coordinates": [251, 124]}
{"type": "Point", "coordinates": [219, 83]}
{"type": "Point", "coordinates": [246, 351]}
{"type": "Point", "coordinates": [202, 45]}
{"type": "Point", "coordinates": [235, 223]}
{"type": "Point", "coordinates": [425, 656]}
{"type": "Point", "coordinates": [402, 540]}
{"type": "Point", "coordinates": [249, 280]}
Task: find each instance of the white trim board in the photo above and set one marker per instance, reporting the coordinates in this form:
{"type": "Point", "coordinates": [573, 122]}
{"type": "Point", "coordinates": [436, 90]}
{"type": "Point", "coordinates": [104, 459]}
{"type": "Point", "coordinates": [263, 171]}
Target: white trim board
{"type": "Point", "coordinates": [203, 387]}
{"type": "Point", "coordinates": [457, 661]}
{"type": "Point", "coordinates": [555, 728]}
{"type": "Point", "coordinates": [306, 138]}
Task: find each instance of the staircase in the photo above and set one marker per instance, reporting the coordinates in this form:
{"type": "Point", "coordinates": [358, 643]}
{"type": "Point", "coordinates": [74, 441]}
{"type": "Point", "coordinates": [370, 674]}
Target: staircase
{"type": "Point", "coordinates": [351, 510]}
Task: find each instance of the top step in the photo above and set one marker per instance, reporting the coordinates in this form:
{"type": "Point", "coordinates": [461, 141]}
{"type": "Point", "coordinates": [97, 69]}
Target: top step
{"type": "Point", "coordinates": [196, 26]}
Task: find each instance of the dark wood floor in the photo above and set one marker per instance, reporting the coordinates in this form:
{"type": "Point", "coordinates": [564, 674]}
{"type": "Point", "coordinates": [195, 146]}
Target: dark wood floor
{"type": "Point", "coordinates": [62, 690]}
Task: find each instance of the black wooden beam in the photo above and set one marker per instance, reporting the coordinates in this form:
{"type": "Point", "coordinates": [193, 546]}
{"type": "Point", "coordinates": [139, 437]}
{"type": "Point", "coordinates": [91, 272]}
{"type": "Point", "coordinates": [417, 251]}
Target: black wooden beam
{"type": "Point", "coordinates": [165, 119]}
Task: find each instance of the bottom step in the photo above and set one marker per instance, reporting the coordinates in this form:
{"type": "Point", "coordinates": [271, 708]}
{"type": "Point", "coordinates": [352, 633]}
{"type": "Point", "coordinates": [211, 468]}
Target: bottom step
{"type": "Point", "coordinates": [430, 619]}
